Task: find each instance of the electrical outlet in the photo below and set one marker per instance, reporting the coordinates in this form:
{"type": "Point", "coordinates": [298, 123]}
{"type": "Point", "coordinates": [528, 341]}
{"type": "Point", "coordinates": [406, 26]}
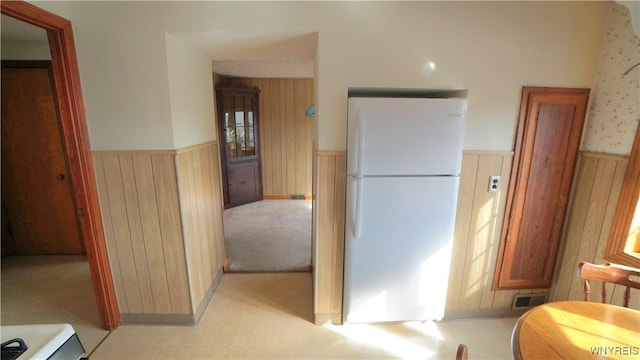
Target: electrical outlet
{"type": "Point", "coordinates": [494, 184]}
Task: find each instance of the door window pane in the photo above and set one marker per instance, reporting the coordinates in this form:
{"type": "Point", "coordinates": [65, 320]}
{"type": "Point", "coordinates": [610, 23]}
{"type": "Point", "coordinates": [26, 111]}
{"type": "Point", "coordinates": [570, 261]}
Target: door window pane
{"type": "Point", "coordinates": [239, 125]}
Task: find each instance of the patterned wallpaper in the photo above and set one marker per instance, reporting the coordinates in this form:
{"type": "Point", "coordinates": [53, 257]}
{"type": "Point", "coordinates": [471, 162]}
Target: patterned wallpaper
{"type": "Point", "coordinates": [615, 105]}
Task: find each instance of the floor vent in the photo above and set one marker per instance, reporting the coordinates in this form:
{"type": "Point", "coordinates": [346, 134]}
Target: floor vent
{"type": "Point", "coordinates": [297, 196]}
{"type": "Point", "coordinates": [528, 301]}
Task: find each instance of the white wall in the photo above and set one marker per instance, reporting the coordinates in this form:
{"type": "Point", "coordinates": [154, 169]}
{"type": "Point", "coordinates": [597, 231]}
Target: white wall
{"type": "Point", "coordinates": [490, 48]}
{"type": "Point", "coordinates": [124, 76]}
{"type": "Point", "coordinates": [190, 94]}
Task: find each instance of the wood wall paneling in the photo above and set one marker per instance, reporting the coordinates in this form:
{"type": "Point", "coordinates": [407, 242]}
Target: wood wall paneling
{"type": "Point", "coordinates": [329, 239]}
{"type": "Point", "coordinates": [218, 210]}
{"type": "Point", "coordinates": [595, 193]}
{"type": "Point", "coordinates": [286, 135]}
{"type": "Point", "coordinates": [199, 206]}
{"type": "Point", "coordinates": [136, 238]}
{"type": "Point", "coordinates": [474, 252]}
{"type": "Point", "coordinates": [309, 139]}
{"type": "Point", "coordinates": [107, 221]}
{"type": "Point", "coordinates": [162, 212]}
{"type": "Point", "coordinates": [168, 205]}
{"type": "Point", "coordinates": [150, 231]}
{"type": "Point", "coordinates": [477, 234]}
{"type": "Point", "coordinates": [121, 237]}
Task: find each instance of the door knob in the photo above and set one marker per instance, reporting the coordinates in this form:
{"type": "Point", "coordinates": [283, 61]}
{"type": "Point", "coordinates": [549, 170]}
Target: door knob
{"type": "Point", "coordinates": [60, 177]}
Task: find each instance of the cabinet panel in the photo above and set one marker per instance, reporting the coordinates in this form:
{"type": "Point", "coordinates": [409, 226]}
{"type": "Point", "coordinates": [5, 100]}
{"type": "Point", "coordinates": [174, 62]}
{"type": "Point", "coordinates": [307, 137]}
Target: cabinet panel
{"type": "Point", "coordinates": [243, 182]}
{"type": "Point", "coordinates": [238, 123]}
{"type": "Point", "coordinates": [548, 138]}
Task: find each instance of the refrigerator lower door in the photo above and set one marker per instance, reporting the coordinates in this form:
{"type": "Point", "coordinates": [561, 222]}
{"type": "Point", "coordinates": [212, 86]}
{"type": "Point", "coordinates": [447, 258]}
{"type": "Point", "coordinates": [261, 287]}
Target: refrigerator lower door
{"type": "Point", "coordinates": [398, 241]}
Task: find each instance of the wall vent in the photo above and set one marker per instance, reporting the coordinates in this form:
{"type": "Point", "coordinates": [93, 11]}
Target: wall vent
{"type": "Point", "coordinates": [297, 196]}
{"type": "Point", "coordinates": [528, 301]}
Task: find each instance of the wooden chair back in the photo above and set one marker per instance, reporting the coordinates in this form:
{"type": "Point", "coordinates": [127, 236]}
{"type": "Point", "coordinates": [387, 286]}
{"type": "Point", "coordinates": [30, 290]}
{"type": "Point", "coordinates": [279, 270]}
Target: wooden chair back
{"type": "Point", "coordinates": [462, 353]}
{"type": "Point", "coordinates": [630, 278]}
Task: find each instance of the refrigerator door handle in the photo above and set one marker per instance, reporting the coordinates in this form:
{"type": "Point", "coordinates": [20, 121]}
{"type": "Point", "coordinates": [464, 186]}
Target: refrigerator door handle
{"type": "Point", "coordinates": [357, 222]}
{"type": "Point", "coordinates": [360, 141]}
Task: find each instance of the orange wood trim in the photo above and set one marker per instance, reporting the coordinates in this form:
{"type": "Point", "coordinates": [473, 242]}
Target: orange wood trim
{"type": "Point", "coordinates": [154, 152]}
{"type": "Point", "coordinates": [133, 152]}
{"type": "Point", "coordinates": [283, 197]}
{"type": "Point", "coordinates": [513, 184]}
{"type": "Point", "coordinates": [617, 249]}
{"type": "Point", "coordinates": [76, 139]}
{"type": "Point", "coordinates": [196, 147]}
{"type": "Point", "coordinates": [330, 152]}
{"type": "Point", "coordinates": [603, 156]}
{"type": "Point", "coordinates": [276, 197]}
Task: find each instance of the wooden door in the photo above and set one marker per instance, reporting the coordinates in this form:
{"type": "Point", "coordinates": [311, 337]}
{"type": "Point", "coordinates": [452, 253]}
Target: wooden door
{"type": "Point", "coordinates": [547, 144]}
{"type": "Point", "coordinates": [36, 185]}
{"type": "Point", "coordinates": [238, 127]}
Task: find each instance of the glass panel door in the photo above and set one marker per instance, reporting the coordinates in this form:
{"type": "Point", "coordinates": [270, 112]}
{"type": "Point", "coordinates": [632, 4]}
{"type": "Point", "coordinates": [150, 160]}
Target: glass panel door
{"type": "Point", "coordinates": [239, 126]}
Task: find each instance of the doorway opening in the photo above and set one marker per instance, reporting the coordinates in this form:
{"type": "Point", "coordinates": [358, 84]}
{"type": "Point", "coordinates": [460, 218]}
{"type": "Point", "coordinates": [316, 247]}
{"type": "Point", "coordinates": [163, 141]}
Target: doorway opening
{"type": "Point", "coordinates": [271, 233]}
{"type": "Point", "coordinates": [43, 253]}
{"type": "Point", "coordinates": [74, 135]}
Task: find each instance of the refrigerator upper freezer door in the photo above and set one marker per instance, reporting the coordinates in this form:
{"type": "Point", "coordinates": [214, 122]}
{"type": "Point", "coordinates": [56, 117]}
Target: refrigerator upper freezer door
{"type": "Point", "coordinates": [398, 267]}
{"type": "Point", "coordinates": [405, 136]}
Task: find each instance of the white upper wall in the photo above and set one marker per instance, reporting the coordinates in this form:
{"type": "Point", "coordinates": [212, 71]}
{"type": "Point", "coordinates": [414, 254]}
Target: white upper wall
{"type": "Point", "coordinates": [190, 94]}
{"type": "Point", "coordinates": [490, 48]}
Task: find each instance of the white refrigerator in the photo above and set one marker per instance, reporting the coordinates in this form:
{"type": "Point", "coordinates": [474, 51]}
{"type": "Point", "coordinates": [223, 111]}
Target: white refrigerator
{"type": "Point", "coordinates": [404, 157]}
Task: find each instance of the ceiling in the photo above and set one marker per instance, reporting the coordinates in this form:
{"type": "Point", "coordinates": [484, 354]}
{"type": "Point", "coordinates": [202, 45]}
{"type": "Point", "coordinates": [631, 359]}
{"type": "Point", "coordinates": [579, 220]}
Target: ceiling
{"type": "Point", "coordinates": [236, 53]}
{"type": "Point", "coordinates": [258, 53]}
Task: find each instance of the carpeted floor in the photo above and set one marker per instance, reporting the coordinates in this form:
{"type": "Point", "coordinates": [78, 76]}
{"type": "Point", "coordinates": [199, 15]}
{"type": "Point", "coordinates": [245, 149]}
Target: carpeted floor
{"type": "Point", "coordinates": [269, 235]}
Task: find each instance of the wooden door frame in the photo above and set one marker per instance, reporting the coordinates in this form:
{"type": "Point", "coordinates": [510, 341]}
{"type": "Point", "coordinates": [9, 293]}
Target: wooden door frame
{"type": "Point", "coordinates": [76, 141]}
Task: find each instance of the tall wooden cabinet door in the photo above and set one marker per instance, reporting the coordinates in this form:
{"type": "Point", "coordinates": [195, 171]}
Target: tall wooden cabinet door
{"type": "Point", "coordinates": [547, 144]}
{"type": "Point", "coordinates": [36, 188]}
{"type": "Point", "coordinates": [238, 123]}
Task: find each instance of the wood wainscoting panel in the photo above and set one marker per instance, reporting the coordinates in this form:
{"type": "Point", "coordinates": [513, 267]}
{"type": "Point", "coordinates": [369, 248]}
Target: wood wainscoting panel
{"type": "Point", "coordinates": [162, 215]}
{"type": "Point", "coordinates": [139, 206]}
{"type": "Point", "coordinates": [168, 205]}
{"type": "Point", "coordinates": [595, 196]}
{"type": "Point", "coordinates": [201, 204]}
{"type": "Point", "coordinates": [329, 203]}
{"type": "Point", "coordinates": [109, 233]}
{"type": "Point", "coordinates": [286, 135]}
{"type": "Point", "coordinates": [477, 234]}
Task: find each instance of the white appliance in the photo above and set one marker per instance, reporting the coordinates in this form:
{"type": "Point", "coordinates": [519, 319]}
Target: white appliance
{"type": "Point", "coordinates": [39, 342]}
{"type": "Point", "coordinates": [404, 157]}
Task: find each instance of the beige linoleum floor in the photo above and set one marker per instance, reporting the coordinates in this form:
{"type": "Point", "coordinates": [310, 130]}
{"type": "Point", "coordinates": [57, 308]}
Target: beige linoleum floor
{"type": "Point", "coordinates": [269, 316]}
{"type": "Point", "coordinates": [51, 290]}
